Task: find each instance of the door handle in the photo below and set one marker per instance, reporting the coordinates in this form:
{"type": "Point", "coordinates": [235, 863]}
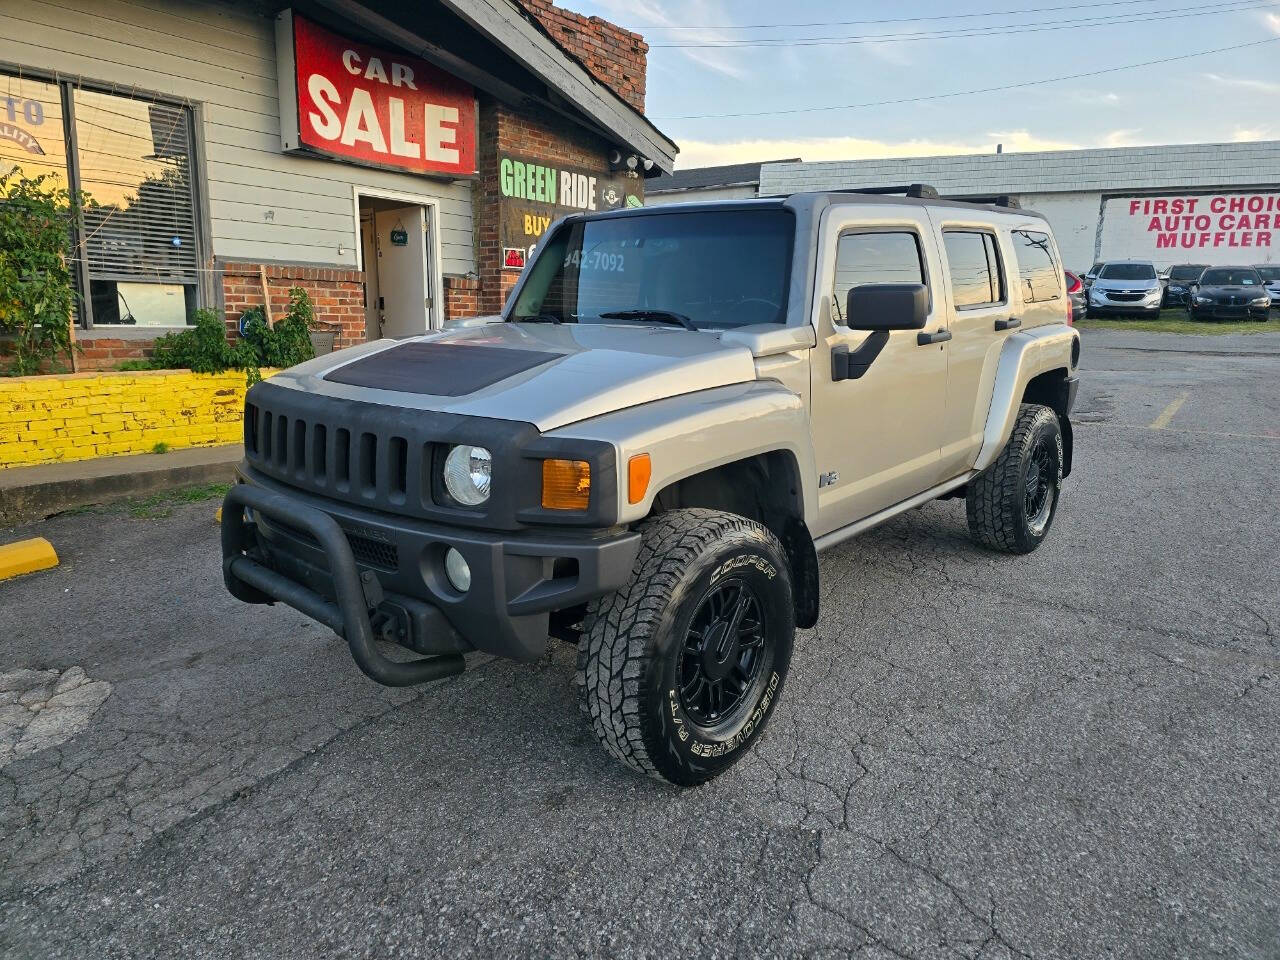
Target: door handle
{"type": "Point", "coordinates": [938, 336]}
{"type": "Point", "coordinates": [1011, 324]}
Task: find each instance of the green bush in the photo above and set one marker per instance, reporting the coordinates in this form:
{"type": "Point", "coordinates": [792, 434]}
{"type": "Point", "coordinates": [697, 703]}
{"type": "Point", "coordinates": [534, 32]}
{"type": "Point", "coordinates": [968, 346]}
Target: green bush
{"type": "Point", "coordinates": [289, 341]}
{"type": "Point", "coordinates": [36, 291]}
{"type": "Point", "coordinates": [204, 348]}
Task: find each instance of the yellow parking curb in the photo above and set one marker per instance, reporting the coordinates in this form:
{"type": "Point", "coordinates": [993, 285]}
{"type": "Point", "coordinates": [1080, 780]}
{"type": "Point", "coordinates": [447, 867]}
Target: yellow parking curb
{"type": "Point", "coordinates": [26, 556]}
{"type": "Point", "coordinates": [217, 517]}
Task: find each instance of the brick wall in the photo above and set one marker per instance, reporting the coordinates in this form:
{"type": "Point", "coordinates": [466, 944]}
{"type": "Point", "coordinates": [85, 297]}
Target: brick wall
{"type": "Point", "coordinates": [338, 296]}
{"type": "Point", "coordinates": [531, 133]}
{"type": "Point", "coordinates": [84, 415]}
{"type": "Point", "coordinates": [614, 56]}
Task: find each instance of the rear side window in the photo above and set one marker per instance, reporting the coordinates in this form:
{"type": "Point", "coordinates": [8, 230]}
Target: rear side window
{"type": "Point", "coordinates": [975, 269]}
{"type": "Point", "coordinates": [879, 257]}
{"type": "Point", "coordinates": [1038, 270]}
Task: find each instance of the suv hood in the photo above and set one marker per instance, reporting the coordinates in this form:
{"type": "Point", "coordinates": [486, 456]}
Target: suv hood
{"type": "Point", "coordinates": [546, 374]}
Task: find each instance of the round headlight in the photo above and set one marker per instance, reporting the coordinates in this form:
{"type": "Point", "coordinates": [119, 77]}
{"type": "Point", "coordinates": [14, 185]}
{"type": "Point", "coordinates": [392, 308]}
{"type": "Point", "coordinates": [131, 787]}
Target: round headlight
{"type": "Point", "coordinates": [468, 472]}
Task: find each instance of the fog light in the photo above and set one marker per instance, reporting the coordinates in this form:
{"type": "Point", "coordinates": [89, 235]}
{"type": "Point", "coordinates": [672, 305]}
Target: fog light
{"type": "Point", "coordinates": [456, 569]}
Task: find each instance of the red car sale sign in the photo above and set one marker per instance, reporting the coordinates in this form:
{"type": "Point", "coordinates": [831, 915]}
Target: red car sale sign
{"type": "Point", "coordinates": [373, 106]}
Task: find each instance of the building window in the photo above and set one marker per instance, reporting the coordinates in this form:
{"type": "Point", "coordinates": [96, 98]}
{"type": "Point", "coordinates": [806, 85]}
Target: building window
{"type": "Point", "coordinates": [1038, 268]}
{"type": "Point", "coordinates": [975, 269]}
{"type": "Point", "coordinates": [136, 249]}
{"type": "Point", "coordinates": [877, 257]}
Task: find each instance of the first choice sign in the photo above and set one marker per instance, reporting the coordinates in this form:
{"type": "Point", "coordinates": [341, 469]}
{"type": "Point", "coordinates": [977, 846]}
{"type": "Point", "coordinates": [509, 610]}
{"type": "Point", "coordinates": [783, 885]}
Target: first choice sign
{"type": "Point", "coordinates": [371, 106]}
{"type": "Point", "coordinates": [1218, 229]}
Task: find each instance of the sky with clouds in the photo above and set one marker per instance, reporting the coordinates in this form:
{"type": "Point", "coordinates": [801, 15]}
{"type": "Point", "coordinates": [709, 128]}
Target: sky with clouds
{"type": "Point", "coordinates": [704, 87]}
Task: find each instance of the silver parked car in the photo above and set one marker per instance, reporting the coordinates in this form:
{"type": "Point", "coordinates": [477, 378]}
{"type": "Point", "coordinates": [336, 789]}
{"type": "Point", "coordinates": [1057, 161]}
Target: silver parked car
{"type": "Point", "coordinates": [1270, 274]}
{"type": "Point", "coordinates": [1129, 287]}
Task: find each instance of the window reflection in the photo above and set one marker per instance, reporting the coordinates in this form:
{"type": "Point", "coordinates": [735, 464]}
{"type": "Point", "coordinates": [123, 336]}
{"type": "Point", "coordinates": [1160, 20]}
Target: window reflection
{"type": "Point", "coordinates": [881, 257]}
{"type": "Point", "coordinates": [135, 165]}
{"type": "Point", "coordinates": [31, 129]}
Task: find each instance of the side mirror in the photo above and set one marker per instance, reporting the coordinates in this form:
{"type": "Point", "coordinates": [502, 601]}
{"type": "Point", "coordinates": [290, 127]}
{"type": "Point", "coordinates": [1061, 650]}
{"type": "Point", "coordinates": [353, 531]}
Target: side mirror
{"type": "Point", "coordinates": [888, 306]}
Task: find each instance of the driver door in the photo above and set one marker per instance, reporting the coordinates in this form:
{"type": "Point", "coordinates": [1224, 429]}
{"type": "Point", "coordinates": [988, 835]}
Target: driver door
{"type": "Point", "coordinates": [877, 438]}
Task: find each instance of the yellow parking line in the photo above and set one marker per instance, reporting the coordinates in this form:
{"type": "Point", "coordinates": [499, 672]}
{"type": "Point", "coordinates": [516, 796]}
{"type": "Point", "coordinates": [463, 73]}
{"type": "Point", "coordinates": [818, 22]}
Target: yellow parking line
{"type": "Point", "coordinates": [1167, 414]}
{"type": "Point", "coordinates": [26, 556]}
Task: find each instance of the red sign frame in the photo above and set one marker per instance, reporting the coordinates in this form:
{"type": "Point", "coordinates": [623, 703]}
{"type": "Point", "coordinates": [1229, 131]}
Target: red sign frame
{"type": "Point", "coordinates": [378, 107]}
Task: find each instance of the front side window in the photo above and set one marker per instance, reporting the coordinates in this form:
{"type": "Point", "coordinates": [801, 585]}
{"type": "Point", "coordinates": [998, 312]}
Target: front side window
{"type": "Point", "coordinates": [975, 269]}
{"type": "Point", "coordinates": [718, 270]}
{"type": "Point", "coordinates": [874, 257]}
{"type": "Point", "coordinates": [136, 257]}
{"type": "Point", "coordinates": [1038, 269]}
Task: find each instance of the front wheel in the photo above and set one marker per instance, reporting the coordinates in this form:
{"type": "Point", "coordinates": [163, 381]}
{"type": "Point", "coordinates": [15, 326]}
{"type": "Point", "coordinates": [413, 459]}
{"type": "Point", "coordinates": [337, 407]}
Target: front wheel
{"type": "Point", "coordinates": [683, 666]}
{"type": "Point", "coordinates": [1012, 503]}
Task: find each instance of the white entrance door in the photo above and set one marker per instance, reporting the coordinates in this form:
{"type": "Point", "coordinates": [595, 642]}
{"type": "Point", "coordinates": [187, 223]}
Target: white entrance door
{"type": "Point", "coordinates": [404, 303]}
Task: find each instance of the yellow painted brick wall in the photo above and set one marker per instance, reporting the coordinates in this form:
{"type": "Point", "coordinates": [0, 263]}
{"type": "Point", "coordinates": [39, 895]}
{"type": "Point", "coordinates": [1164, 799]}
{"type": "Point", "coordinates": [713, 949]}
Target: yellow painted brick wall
{"type": "Point", "coordinates": [84, 415]}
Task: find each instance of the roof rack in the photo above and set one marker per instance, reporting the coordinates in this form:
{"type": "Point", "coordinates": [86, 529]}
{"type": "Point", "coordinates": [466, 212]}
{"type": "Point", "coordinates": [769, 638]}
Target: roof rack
{"type": "Point", "coordinates": [920, 191]}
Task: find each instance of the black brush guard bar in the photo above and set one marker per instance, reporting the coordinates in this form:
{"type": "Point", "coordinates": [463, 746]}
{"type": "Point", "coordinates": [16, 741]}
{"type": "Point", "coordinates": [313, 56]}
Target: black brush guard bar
{"type": "Point", "coordinates": [252, 582]}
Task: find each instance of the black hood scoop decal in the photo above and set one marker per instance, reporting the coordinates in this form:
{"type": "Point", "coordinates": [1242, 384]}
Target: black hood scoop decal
{"type": "Point", "coordinates": [438, 369]}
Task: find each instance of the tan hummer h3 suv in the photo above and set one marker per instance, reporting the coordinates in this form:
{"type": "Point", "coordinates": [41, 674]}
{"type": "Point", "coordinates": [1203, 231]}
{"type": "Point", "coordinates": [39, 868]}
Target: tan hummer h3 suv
{"type": "Point", "coordinates": [678, 410]}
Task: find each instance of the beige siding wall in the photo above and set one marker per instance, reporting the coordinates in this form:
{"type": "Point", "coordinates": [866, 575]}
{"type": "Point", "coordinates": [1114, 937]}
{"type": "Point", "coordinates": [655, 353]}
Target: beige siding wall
{"type": "Point", "coordinates": [699, 196]}
{"type": "Point", "coordinates": [263, 204]}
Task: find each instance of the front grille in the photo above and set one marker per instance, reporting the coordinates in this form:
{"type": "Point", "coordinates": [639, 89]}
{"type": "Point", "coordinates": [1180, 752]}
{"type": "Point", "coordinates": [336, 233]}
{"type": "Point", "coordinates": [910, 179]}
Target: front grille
{"type": "Point", "coordinates": [356, 464]}
{"type": "Point", "coordinates": [1124, 297]}
{"type": "Point", "coordinates": [385, 457]}
{"type": "Point", "coordinates": [367, 550]}
{"type": "Point", "coordinates": [374, 553]}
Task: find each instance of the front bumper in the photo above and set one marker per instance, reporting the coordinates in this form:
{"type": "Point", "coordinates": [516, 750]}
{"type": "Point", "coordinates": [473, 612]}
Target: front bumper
{"type": "Point", "coordinates": [1129, 308]}
{"type": "Point", "coordinates": [366, 573]}
{"type": "Point", "coordinates": [1233, 312]}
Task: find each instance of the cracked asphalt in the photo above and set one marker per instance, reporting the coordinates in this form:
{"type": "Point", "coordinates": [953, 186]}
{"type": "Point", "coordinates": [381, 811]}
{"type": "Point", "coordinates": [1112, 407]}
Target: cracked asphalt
{"type": "Point", "coordinates": [1072, 754]}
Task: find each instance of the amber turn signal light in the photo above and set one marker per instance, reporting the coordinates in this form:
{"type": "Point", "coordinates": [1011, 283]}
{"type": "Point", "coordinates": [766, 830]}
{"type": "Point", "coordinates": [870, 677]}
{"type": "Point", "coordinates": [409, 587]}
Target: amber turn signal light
{"type": "Point", "coordinates": [566, 484]}
{"type": "Point", "coordinates": [639, 470]}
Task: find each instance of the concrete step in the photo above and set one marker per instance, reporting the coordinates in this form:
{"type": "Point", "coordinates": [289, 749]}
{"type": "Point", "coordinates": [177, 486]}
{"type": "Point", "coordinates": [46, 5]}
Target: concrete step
{"type": "Point", "coordinates": [31, 493]}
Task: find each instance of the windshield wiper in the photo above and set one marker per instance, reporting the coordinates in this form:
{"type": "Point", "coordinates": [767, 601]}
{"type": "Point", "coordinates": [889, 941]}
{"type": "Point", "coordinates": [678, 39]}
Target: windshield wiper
{"type": "Point", "coordinates": [661, 316]}
{"type": "Point", "coordinates": [540, 318]}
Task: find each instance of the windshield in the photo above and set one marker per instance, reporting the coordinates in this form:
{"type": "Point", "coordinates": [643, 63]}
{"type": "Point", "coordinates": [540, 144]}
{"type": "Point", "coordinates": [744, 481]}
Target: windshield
{"type": "Point", "coordinates": [1188, 272]}
{"type": "Point", "coordinates": [1128, 271]}
{"type": "Point", "coordinates": [1230, 278]}
{"type": "Point", "coordinates": [1269, 274]}
{"type": "Point", "coordinates": [699, 269]}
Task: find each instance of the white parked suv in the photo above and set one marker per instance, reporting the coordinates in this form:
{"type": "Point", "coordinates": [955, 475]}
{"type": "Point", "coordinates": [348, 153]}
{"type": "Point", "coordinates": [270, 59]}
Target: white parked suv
{"type": "Point", "coordinates": [1129, 287]}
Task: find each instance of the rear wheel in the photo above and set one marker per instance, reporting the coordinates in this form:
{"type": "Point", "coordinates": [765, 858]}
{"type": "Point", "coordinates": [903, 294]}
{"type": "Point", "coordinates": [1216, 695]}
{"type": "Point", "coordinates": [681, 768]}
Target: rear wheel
{"type": "Point", "coordinates": [1011, 504]}
{"type": "Point", "coordinates": [682, 667]}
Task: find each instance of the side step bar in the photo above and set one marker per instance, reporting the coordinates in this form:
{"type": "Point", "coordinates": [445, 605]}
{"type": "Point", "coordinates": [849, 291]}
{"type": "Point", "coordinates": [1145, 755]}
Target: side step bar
{"type": "Point", "coordinates": [253, 582]}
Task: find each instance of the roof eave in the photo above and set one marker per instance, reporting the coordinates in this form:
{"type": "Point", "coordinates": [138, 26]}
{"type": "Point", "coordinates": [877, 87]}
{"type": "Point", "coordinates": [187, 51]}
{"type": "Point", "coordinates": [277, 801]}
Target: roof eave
{"type": "Point", "coordinates": [540, 54]}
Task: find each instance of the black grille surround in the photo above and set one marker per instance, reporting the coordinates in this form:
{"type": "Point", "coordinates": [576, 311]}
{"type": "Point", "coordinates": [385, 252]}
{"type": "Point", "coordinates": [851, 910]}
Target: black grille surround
{"type": "Point", "coordinates": [387, 459]}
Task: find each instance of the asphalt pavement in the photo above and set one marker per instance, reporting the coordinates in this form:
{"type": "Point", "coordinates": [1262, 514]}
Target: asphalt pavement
{"type": "Point", "coordinates": [1071, 754]}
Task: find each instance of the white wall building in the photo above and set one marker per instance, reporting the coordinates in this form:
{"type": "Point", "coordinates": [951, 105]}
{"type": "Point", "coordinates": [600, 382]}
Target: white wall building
{"type": "Point", "coordinates": [1216, 203]}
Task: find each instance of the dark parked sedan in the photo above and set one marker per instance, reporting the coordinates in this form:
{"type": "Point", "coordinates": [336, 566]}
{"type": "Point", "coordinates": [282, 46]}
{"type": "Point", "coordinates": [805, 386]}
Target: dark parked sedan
{"type": "Point", "coordinates": [1181, 277]}
{"type": "Point", "coordinates": [1229, 293]}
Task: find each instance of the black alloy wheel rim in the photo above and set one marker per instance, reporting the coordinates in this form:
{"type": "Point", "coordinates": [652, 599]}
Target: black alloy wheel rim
{"type": "Point", "coordinates": [723, 655]}
{"type": "Point", "coordinates": [1042, 475]}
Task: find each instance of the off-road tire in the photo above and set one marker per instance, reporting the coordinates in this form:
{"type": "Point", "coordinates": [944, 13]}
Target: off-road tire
{"type": "Point", "coordinates": [633, 646]}
{"type": "Point", "coordinates": [996, 501]}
